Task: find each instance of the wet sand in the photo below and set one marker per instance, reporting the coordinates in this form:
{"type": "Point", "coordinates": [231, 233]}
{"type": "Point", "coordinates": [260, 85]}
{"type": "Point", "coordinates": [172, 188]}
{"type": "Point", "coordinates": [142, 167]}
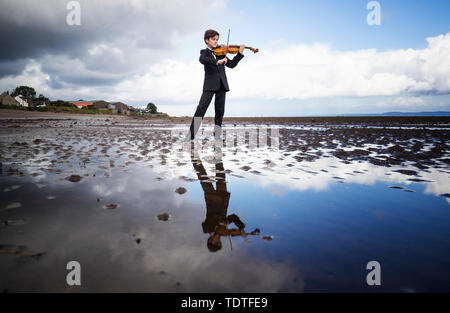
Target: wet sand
{"type": "Point", "coordinates": [399, 139]}
{"type": "Point", "coordinates": [125, 186]}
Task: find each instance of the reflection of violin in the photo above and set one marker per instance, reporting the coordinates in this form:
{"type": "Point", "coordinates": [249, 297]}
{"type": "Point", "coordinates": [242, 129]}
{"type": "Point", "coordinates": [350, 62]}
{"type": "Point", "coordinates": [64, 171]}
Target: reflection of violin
{"type": "Point", "coordinates": [233, 49]}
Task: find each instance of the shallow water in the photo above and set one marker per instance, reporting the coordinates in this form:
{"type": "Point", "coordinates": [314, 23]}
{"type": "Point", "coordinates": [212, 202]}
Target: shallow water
{"type": "Point", "coordinates": [317, 208]}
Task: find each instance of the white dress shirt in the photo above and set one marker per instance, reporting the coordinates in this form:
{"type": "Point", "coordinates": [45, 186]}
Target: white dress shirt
{"type": "Point", "coordinates": [212, 52]}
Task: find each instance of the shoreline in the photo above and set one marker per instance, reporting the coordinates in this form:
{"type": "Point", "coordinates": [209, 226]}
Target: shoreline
{"type": "Point", "coordinates": [383, 120]}
{"type": "Point", "coordinates": [379, 120]}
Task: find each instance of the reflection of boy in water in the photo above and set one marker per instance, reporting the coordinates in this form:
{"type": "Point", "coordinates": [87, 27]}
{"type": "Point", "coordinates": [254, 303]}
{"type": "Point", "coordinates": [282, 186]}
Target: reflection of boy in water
{"type": "Point", "coordinates": [217, 221]}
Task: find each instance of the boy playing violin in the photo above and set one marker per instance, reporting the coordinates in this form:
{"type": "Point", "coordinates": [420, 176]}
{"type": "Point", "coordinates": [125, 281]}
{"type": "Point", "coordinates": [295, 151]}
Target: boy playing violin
{"type": "Point", "coordinates": [215, 83]}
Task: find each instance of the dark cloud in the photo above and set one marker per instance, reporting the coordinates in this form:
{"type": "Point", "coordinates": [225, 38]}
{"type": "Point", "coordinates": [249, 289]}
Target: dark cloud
{"type": "Point", "coordinates": [32, 41]}
{"type": "Point", "coordinates": [55, 83]}
{"type": "Point", "coordinates": [12, 67]}
{"type": "Point", "coordinates": [116, 39]}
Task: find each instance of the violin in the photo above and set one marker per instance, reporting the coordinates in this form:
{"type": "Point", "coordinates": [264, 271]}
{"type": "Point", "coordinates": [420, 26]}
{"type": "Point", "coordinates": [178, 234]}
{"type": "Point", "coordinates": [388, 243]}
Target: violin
{"type": "Point", "coordinates": [232, 49]}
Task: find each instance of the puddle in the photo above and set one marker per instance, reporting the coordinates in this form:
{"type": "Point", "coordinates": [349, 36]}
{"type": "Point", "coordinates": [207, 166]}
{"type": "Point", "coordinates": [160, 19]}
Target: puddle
{"type": "Point", "coordinates": [141, 213]}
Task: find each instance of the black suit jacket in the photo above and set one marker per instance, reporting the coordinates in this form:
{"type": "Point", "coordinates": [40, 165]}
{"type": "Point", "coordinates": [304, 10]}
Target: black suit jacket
{"type": "Point", "coordinates": [215, 73]}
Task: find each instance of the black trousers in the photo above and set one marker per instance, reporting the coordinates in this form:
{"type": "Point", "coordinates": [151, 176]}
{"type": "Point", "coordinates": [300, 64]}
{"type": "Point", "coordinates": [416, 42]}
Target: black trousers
{"type": "Point", "coordinates": [205, 100]}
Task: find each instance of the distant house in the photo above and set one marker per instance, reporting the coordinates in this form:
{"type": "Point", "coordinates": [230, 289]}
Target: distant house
{"type": "Point", "coordinates": [98, 104]}
{"type": "Point", "coordinates": [20, 101]}
{"type": "Point", "coordinates": [119, 107]}
{"type": "Point", "coordinates": [116, 107]}
{"type": "Point", "coordinates": [40, 103]}
{"type": "Point", "coordinates": [6, 99]}
{"type": "Point", "coordinates": [81, 104]}
{"type": "Point", "coordinates": [101, 104]}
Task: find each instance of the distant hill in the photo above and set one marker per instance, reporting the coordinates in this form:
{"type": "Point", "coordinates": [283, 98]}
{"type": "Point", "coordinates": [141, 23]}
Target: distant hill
{"type": "Point", "coordinates": [433, 113]}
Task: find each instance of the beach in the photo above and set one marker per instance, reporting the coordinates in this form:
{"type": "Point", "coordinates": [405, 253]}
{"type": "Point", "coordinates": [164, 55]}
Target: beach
{"type": "Point", "coordinates": [320, 197]}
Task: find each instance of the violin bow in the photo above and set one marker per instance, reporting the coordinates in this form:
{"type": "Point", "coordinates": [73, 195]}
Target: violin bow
{"type": "Point", "coordinates": [250, 48]}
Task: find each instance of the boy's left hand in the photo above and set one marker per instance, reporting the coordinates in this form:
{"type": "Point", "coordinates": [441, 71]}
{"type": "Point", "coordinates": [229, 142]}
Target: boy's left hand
{"type": "Point", "coordinates": [241, 48]}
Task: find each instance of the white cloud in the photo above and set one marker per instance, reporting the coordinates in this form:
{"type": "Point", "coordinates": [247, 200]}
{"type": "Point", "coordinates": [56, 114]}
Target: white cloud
{"type": "Point", "coordinates": [306, 72]}
{"type": "Point", "coordinates": [302, 72]}
{"type": "Point", "coordinates": [32, 75]}
{"type": "Point", "coordinates": [413, 103]}
{"type": "Point", "coordinates": [129, 71]}
{"type": "Point", "coordinates": [408, 101]}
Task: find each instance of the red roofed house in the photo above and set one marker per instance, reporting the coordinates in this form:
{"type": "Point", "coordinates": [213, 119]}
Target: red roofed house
{"type": "Point", "coordinates": [82, 104]}
{"type": "Point", "coordinates": [116, 107]}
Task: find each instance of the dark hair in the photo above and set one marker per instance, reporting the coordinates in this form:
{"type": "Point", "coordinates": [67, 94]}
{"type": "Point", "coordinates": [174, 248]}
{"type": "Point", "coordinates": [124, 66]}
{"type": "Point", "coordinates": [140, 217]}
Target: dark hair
{"type": "Point", "coordinates": [213, 247]}
{"type": "Point", "coordinates": [210, 33]}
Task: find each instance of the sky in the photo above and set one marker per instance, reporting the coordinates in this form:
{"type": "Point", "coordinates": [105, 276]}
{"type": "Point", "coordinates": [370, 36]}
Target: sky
{"type": "Point", "coordinates": [316, 57]}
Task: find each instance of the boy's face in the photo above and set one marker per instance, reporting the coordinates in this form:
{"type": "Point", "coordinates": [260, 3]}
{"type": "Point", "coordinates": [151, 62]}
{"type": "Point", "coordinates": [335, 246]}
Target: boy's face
{"type": "Point", "coordinates": [212, 41]}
